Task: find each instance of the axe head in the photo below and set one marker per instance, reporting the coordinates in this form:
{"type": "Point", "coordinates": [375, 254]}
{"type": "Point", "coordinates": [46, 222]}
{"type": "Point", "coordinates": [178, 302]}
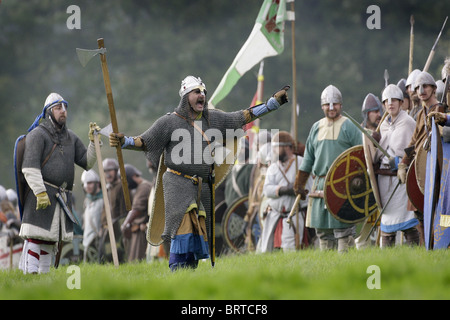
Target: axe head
{"type": "Point", "coordinates": [106, 130]}
{"type": "Point", "coordinates": [85, 55]}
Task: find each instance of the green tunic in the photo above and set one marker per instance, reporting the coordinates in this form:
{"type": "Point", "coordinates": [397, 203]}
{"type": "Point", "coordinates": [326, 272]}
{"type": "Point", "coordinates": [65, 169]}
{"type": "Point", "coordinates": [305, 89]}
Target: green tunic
{"type": "Point", "coordinates": [326, 141]}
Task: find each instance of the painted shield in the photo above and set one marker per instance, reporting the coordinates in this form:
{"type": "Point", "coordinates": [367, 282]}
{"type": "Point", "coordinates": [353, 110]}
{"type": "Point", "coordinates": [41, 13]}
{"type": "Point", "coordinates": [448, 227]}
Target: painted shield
{"type": "Point", "coordinates": [436, 236]}
{"type": "Point", "coordinates": [233, 224]}
{"type": "Point", "coordinates": [369, 154]}
{"type": "Point", "coordinates": [348, 192]}
{"type": "Point", "coordinates": [442, 218]}
{"type": "Point", "coordinates": [415, 195]}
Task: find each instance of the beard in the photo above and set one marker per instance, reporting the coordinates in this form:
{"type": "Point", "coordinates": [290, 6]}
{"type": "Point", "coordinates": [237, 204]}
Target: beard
{"type": "Point", "coordinates": [282, 156]}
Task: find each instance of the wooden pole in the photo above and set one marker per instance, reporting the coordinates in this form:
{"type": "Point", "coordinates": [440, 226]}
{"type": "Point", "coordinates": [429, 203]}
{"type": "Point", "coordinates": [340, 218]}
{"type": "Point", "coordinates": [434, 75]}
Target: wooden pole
{"type": "Point", "coordinates": [101, 172]}
{"type": "Point", "coordinates": [115, 128]}
{"type": "Point", "coordinates": [294, 83]}
{"type": "Point", "coordinates": [411, 45]}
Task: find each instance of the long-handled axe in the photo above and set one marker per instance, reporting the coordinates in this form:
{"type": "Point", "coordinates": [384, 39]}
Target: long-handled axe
{"type": "Point", "coordinates": [85, 56]}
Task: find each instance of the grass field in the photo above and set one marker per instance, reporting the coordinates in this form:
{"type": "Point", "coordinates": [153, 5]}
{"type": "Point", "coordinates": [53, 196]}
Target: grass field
{"type": "Point", "coordinates": [401, 273]}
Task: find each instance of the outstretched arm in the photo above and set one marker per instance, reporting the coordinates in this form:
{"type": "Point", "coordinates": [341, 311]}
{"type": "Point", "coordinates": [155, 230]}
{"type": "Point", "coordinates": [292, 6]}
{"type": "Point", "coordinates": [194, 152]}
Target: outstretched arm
{"type": "Point", "coordinates": [278, 99]}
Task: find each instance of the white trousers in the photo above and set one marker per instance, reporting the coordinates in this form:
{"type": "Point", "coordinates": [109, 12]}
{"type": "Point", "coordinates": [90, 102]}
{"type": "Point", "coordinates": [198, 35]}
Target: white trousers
{"type": "Point", "coordinates": [36, 258]}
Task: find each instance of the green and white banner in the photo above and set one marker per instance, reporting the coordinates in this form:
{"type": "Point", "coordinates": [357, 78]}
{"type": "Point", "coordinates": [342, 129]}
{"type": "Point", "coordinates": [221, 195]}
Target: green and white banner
{"type": "Point", "coordinates": [265, 40]}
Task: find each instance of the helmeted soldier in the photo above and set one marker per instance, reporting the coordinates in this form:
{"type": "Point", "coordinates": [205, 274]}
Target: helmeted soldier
{"type": "Point", "coordinates": [445, 74]}
{"type": "Point", "coordinates": [118, 210]}
{"type": "Point", "coordinates": [371, 110]}
{"type": "Point", "coordinates": [396, 132]}
{"type": "Point", "coordinates": [93, 208]}
{"type": "Point", "coordinates": [44, 221]}
{"type": "Point", "coordinates": [414, 103]}
{"type": "Point", "coordinates": [406, 101]}
{"type": "Point", "coordinates": [328, 138]}
{"type": "Point", "coordinates": [186, 138]}
{"type": "Point", "coordinates": [425, 87]}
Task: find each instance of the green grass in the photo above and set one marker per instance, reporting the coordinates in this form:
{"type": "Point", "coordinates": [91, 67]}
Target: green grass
{"type": "Point", "coordinates": [405, 273]}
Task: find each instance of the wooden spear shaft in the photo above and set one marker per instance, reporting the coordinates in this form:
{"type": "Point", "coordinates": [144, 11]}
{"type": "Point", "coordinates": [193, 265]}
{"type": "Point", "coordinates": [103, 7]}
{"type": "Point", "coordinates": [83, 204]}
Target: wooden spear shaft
{"type": "Point", "coordinates": [112, 237]}
{"type": "Point", "coordinates": [115, 128]}
{"type": "Point", "coordinates": [411, 45]}
{"type": "Point", "coordinates": [294, 82]}
{"type": "Point", "coordinates": [294, 129]}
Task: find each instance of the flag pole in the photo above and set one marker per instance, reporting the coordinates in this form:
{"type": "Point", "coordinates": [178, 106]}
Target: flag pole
{"type": "Point", "coordinates": [294, 132]}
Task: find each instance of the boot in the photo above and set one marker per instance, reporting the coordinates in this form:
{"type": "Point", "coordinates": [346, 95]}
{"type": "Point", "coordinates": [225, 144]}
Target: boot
{"type": "Point", "coordinates": [326, 244]}
{"type": "Point", "coordinates": [387, 240]}
{"type": "Point", "coordinates": [412, 236]}
{"type": "Point", "coordinates": [345, 243]}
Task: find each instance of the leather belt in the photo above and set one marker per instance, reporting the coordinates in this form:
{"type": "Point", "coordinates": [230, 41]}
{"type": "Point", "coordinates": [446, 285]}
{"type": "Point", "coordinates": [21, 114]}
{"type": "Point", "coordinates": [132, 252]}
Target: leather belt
{"type": "Point", "coordinates": [316, 194]}
{"type": "Point", "coordinates": [194, 179]}
{"type": "Point", "coordinates": [385, 172]}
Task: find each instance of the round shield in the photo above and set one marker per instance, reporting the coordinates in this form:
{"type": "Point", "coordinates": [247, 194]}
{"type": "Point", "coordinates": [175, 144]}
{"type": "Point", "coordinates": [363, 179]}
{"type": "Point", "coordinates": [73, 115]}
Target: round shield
{"type": "Point", "coordinates": [219, 212]}
{"type": "Point", "coordinates": [421, 168]}
{"type": "Point", "coordinates": [348, 193]}
{"type": "Point", "coordinates": [234, 227]}
{"type": "Point", "coordinates": [415, 195]}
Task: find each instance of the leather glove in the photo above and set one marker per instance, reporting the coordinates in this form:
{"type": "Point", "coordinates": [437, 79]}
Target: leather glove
{"type": "Point", "coordinates": [116, 139]}
{"type": "Point", "coordinates": [376, 135]}
{"type": "Point", "coordinates": [286, 191]}
{"type": "Point", "coordinates": [439, 117]}
{"type": "Point", "coordinates": [92, 128]}
{"type": "Point", "coordinates": [42, 200]}
{"type": "Point", "coordinates": [300, 183]}
{"type": "Point", "coordinates": [401, 172]}
{"type": "Point", "coordinates": [281, 95]}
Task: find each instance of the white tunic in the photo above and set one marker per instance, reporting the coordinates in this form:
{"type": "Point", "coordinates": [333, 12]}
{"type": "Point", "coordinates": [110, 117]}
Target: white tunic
{"type": "Point", "coordinates": [276, 177]}
{"type": "Point", "coordinates": [395, 137]}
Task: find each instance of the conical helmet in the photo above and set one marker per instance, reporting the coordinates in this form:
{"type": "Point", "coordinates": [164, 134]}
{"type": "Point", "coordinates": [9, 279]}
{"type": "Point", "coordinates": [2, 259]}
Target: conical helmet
{"type": "Point", "coordinates": [89, 176]}
{"type": "Point", "coordinates": [412, 78]}
{"type": "Point", "coordinates": [371, 103]}
{"type": "Point", "coordinates": [424, 78]}
{"type": "Point", "coordinates": [331, 95]}
{"type": "Point", "coordinates": [190, 83]}
{"type": "Point", "coordinates": [392, 92]}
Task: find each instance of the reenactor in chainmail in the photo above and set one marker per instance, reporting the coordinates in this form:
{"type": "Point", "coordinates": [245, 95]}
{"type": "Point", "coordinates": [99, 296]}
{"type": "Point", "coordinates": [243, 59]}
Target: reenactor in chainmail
{"type": "Point", "coordinates": [44, 221]}
{"type": "Point", "coordinates": [184, 138]}
{"type": "Point", "coordinates": [414, 101]}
